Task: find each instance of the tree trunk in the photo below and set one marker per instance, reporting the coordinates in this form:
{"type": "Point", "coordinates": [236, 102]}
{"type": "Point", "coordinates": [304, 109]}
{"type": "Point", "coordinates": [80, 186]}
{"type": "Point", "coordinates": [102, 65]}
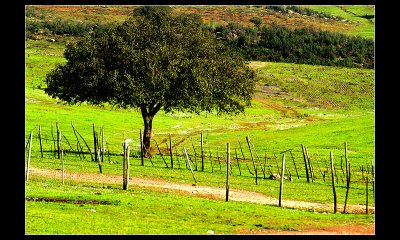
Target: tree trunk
{"type": "Point", "coordinates": [148, 125]}
{"type": "Point", "coordinates": [148, 113]}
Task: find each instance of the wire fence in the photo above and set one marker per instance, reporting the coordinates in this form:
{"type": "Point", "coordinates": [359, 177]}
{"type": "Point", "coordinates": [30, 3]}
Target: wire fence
{"type": "Point", "coordinates": [94, 148]}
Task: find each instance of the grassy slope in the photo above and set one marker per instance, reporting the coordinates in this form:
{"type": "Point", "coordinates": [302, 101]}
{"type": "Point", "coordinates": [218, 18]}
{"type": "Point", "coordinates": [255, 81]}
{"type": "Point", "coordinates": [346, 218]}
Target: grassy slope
{"type": "Point", "coordinates": [222, 15]}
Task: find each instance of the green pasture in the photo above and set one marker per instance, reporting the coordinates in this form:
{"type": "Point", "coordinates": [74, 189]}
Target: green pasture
{"type": "Point", "coordinates": [363, 26]}
{"type": "Point", "coordinates": [144, 211]}
{"type": "Point", "coordinates": [320, 107]}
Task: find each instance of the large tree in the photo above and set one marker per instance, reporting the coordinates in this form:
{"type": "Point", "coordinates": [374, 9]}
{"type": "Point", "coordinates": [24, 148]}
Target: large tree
{"type": "Point", "coordinates": [154, 61]}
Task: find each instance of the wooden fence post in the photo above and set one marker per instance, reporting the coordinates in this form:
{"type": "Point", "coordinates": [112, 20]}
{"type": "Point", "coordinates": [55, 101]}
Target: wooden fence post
{"type": "Point", "coordinates": [305, 161]}
{"type": "Point", "coordinates": [195, 155]}
{"type": "Point", "coordinates": [141, 147]}
{"type": "Point", "coordinates": [170, 150]}
{"type": "Point", "coordinates": [333, 183]}
{"type": "Point", "coordinates": [219, 162]}
{"type": "Point", "coordinates": [162, 156]}
{"type": "Point", "coordinates": [102, 145]}
{"type": "Point", "coordinates": [58, 140]}
{"type": "Point", "coordinates": [86, 144]}
{"type": "Point", "coordinates": [95, 143]}
{"type": "Point", "coordinates": [29, 158]}
{"type": "Point", "coordinates": [228, 163]}
{"type": "Point", "coordinates": [251, 154]}
{"type": "Point", "coordinates": [188, 161]}
{"type": "Point", "coordinates": [281, 184]}
{"type": "Point", "coordinates": [294, 163]}
{"type": "Point", "coordinates": [310, 167]}
{"type": "Point", "coordinates": [347, 176]}
{"type": "Point", "coordinates": [125, 165]}
{"type": "Point", "coordinates": [40, 141]}
{"type": "Point", "coordinates": [202, 151]}
{"type": "Point", "coordinates": [54, 141]}
{"type": "Point", "coordinates": [366, 195]}
{"type": "Point", "coordinates": [237, 159]}
{"type": "Point", "coordinates": [61, 155]}
{"type": "Point", "coordinates": [96, 148]}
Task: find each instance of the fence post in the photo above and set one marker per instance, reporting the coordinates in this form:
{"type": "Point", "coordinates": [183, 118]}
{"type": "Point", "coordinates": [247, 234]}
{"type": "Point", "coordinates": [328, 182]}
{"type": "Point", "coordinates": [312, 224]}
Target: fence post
{"type": "Point", "coordinates": [347, 176]}
{"type": "Point", "coordinates": [96, 148]}
{"type": "Point", "coordinates": [40, 141]}
{"type": "Point", "coordinates": [125, 166]}
{"type": "Point", "coordinates": [305, 161]}
{"type": "Point", "coordinates": [333, 183]}
{"type": "Point", "coordinates": [170, 150]}
{"type": "Point", "coordinates": [281, 185]}
{"type": "Point", "coordinates": [160, 153]}
{"type": "Point", "coordinates": [366, 195]}
{"type": "Point", "coordinates": [202, 151]}
{"type": "Point", "coordinates": [141, 147]}
{"type": "Point", "coordinates": [61, 154]}
{"type": "Point", "coordinates": [237, 159]}
{"type": "Point", "coordinates": [294, 163]}
{"type": "Point", "coordinates": [58, 140]}
{"type": "Point", "coordinates": [219, 162]}
{"type": "Point", "coordinates": [251, 154]}
{"type": "Point", "coordinates": [95, 143]}
{"type": "Point", "coordinates": [87, 145]}
{"type": "Point", "coordinates": [188, 161]}
{"type": "Point", "coordinates": [228, 163]}
{"type": "Point", "coordinates": [102, 144]}
{"type": "Point", "coordinates": [29, 157]}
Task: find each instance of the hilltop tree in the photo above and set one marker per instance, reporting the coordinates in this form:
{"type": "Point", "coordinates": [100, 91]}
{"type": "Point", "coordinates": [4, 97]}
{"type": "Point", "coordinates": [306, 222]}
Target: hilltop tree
{"type": "Point", "coordinates": [154, 61]}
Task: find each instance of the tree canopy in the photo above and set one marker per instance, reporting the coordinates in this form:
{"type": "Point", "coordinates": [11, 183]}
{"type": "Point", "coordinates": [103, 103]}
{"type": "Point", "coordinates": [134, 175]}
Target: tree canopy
{"type": "Point", "coordinates": [154, 61]}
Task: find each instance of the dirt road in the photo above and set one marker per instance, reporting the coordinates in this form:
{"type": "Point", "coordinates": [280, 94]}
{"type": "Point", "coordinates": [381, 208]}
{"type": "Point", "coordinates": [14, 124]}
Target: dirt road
{"type": "Point", "coordinates": [218, 193]}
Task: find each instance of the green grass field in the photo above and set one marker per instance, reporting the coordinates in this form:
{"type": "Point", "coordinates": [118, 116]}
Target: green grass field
{"type": "Point", "coordinates": [294, 104]}
{"type": "Point", "coordinates": [145, 211]}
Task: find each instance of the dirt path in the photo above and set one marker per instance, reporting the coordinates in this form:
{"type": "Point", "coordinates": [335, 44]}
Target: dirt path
{"type": "Point", "coordinates": [202, 191]}
{"type": "Point", "coordinates": [219, 193]}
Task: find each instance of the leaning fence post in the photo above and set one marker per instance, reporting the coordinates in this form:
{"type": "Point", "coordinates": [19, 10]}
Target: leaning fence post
{"type": "Point", "coordinates": [170, 150]}
{"type": "Point", "coordinates": [333, 183]}
{"type": "Point", "coordinates": [40, 141]}
{"type": "Point", "coordinates": [228, 163]}
{"type": "Point", "coordinates": [281, 185]}
{"type": "Point", "coordinates": [29, 157]}
{"type": "Point", "coordinates": [294, 163]}
{"type": "Point", "coordinates": [96, 148]}
{"type": "Point", "coordinates": [347, 176]}
{"type": "Point", "coordinates": [251, 154]}
{"type": "Point", "coordinates": [62, 155]}
{"type": "Point", "coordinates": [305, 161]}
{"type": "Point", "coordinates": [188, 161]}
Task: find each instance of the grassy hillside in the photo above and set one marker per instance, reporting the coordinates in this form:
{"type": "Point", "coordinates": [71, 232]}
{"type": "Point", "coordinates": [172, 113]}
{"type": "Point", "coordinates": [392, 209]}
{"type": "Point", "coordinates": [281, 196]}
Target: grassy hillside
{"type": "Point", "coordinates": [294, 104]}
{"type": "Point", "coordinates": [353, 22]}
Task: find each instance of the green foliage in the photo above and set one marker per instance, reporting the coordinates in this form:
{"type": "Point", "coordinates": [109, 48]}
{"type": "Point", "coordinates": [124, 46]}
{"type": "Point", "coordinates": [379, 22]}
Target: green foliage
{"type": "Point", "coordinates": [153, 62]}
{"type": "Point", "coordinates": [256, 20]}
{"type": "Point", "coordinates": [62, 27]}
{"type": "Point", "coordinates": [305, 45]}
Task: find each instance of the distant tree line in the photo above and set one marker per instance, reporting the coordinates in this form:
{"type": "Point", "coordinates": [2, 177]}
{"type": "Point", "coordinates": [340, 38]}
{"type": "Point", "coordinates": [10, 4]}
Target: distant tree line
{"type": "Point", "coordinates": [278, 43]}
{"type": "Point", "coordinates": [62, 27]}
